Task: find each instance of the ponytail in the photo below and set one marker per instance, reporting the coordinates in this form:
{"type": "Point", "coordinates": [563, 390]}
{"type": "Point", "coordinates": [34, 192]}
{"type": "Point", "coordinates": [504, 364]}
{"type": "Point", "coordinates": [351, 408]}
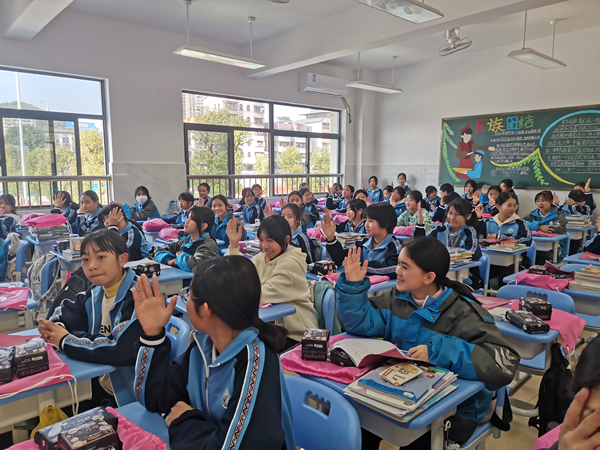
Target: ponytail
{"type": "Point", "coordinates": [272, 335]}
{"type": "Point", "coordinates": [460, 288]}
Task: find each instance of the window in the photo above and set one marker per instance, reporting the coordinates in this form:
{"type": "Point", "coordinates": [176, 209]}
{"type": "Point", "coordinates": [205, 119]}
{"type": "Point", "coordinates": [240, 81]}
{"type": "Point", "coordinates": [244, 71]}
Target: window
{"type": "Point", "coordinates": [241, 107]}
{"type": "Point", "coordinates": [301, 141]}
{"type": "Point", "coordinates": [51, 126]}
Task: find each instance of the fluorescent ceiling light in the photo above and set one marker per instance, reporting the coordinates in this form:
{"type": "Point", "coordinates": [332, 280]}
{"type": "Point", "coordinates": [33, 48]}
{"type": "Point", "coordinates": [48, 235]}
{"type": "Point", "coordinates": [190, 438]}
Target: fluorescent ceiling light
{"type": "Point", "coordinates": [360, 84]}
{"type": "Point", "coordinates": [223, 58]}
{"type": "Point", "coordinates": [537, 59]}
{"type": "Point", "coordinates": [412, 10]}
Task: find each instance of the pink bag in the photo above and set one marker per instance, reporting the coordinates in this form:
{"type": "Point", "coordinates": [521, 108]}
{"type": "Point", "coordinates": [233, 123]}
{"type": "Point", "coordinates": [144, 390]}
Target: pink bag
{"type": "Point", "coordinates": [542, 281]}
{"type": "Point", "coordinates": [316, 233]}
{"type": "Point", "coordinates": [322, 202]}
{"type": "Point", "coordinates": [404, 231]}
{"type": "Point", "coordinates": [154, 225]}
{"type": "Point", "coordinates": [29, 216]}
{"type": "Point", "coordinates": [340, 218]}
{"type": "Point", "coordinates": [50, 220]}
{"type": "Point", "coordinates": [542, 234]}
{"type": "Point", "coordinates": [548, 440]}
{"type": "Point", "coordinates": [13, 298]}
{"type": "Point", "coordinates": [168, 234]}
{"type": "Point", "coordinates": [277, 205]}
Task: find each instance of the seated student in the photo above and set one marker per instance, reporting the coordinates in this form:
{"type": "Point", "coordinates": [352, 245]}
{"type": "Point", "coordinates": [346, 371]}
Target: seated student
{"type": "Point", "coordinates": [8, 215]}
{"type": "Point", "coordinates": [505, 225]}
{"type": "Point", "coordinates": [228, 389]}
{"type": "Point", "coordinates": [333, 196]}
{"type": "Point", "coordinates": [415, 214]}
{"type": "Point", "coordinates": [356, 221]}
{"type": "Point", "coordinates": [401, 178]}
{"type": "Point", "coordinates": [387, 193]}
{"type": "Point", "coordinates": [347, 195]}
{"type": "Point", "coordinates": [144, 207]}
{"type": "Point", "coordinates": [281, 267]}
{"type": "Point", "coordinates": [380, 247]}
{"type": "Point", "coordinates": [257, 189]}
{"type": "Point", "coordinates": [307, 219]}
{"type": "Point", "coordinates": [374, 192]}
{"type": "Point", "coordinates": [461, 336]}
{"type": "Point", "coordinates": [589, 198]}
{"type": "Point", "coordinates": [310, 206]}
{"type": "Point", "coordinates": [65, 205]}
{"type": "Point", "coordinates": [361, 194]}
{"type": "Point", "coordinates": [100, 325]}
{"type": "Point", "coordinates": [398, 201]}
{"type": "Point", "coordinates": [186, 202]}
{"type": "Point", "coordinates": [576, 205]}
{"type": "Point", "coordinates": [593, 245]}
{"type": "Point", "coordinates": [114, 219]}
{"type": "Point", "coordinates": [507, 186]}
{"type": "Point", "coordinates": [223, 214]}
{"type": "Point", "coordinates": [203, 193]}
{"type": "Point", "coordinates": [304, 186]}
{"type": "Point", "coordinates": [460, 232]}
{"type": "Point", "coordinates": [440, 211]}
{"type": "Point", "coordinates": [581, 427]}
{"type": "Point", "coordinates": [87, 214]}
{"type": "Point", "coordinates": [431, 199]}
{"type": "Point", "coordinates": [198, 244]}
{"type": "Point", "coordinates": [548, 219]}
{"type": "Point", "coordinates": [251, 211]}
{"type": "Point", "coordinates": [471, 192]}
{"type": "Point", "coordinates": [488, 199]}
{"type": "Point", "coordinates": [292, 214]}
{"type": "Point", "coordinates": [3, 258]}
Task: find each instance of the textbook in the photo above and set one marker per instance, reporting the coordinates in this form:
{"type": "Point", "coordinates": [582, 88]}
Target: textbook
{"type": "Point", "coordinates": [459, 256]}
{"type": "Point", "coordinates": [366, 352]}
{"type": "Point", "coordinates": [348, 239]}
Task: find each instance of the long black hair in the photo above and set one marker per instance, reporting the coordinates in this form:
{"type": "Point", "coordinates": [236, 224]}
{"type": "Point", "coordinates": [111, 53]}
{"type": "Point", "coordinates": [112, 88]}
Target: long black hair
{"type": "Point", "coordinates": [587, 372]}
{"type": "Point", "coordinates": [68, 200]}
{"type": "Point", "coordinates": [203, 215]}
{"type": "Point", "coordinates": [417, 196]}
{"type": "Point", "coordinates": [356, 205]}
{"type": "Point", "coordinates": [295, 211]}
{"type": "Point", "coordinates": [464, 208]}
{"type": "Point", "coordinates": [236, 304]}
{"type": "Point", "coordinates": [430, 255]}
{"type": "Point", "coordinates": [384, 214]}
{"type": "Point", "coordinates": [105, 241]}
{"type": "Point", "coordinates": [144, 189]}
{"type": "Point", "coordinates": [276, 228]}
{"type": "Point", "coordinates": [10, 199]}
{"type": "Point", "coordinates": [104, 212]}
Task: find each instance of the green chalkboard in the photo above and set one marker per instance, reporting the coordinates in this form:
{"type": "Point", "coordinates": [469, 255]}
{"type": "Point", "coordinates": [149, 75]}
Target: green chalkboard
{"type": "Point", "coordinates": [549, 149]}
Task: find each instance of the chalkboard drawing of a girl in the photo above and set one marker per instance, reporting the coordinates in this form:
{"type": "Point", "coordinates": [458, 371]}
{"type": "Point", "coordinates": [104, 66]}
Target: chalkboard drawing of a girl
{"type": "Point", "coordinates": [466, 148]}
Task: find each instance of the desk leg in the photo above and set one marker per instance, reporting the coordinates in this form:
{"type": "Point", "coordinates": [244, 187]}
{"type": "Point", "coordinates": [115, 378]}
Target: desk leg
{"type": "Point", "coordinates": [517, 259]}
{"type": "Point", "coordinates": [437, 433]}
{"type": "Point", "coordinates": [555, 246]}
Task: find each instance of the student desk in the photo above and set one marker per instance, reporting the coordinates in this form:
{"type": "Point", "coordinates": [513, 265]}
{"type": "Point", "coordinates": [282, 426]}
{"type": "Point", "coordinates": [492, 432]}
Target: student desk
{"type": "Point", "coordinates": [547, 243]}
{"type": "Point", "coordinates": [581, 233]}
{"type": "Point", "coordinates": [43, 248]}
{"type": "Point", "coordinates": [66, 264]}
{"type": "Point", "coordinates": [29, 404]}
{"type": "Point", "coordinates": [146, 420]}
{"type": "Point", "coordinates": [9, 318]}
{"type": "Point", "coordinates": [459, 273]}
{"type": "Point", "coordinates": [151, 236]}
{"type": "Point", "coordinates": [23, 232]}
{"type": "Point", "coordinates": [162, 242]}
{"type": "Point", "coordinates": [402, 434]}
{"type": "Point", "coordinates": [501, 258]}
{"type": "Point", "coordinates": [574, 259]}
{"type": "Point", "coordinates": [172, 280]}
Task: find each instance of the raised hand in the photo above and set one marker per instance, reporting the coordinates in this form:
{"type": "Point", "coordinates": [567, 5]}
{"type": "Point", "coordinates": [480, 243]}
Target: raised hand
{"type": "Point", "coordinates": [485, 189]}
{"type": "Point", "coordinates": [420, 211]}
{"type": "Point", "coordinates": [363, 184]}
{"type": "Point", "coordinates": [569, 201]}
{"type": "Point", "coordinates": [269, 211]}
{"type": "Point", "coordinates": [587, 185]}
{"type": "Point", "coordinates": [556, 199]}
{"type": "Point", "coordinates": [234, 233]}
{"type": "Point", "coordinates": [328, 227]}
{"type": "Point", "coordinates": [150, 307]}
{"type": "Point", "coordinates": [576, 432]}
{"type": "Point", "coordinates": [443, 198]}
{"type": "Point", "coordinates": [282, 202]}
{"type": "Point", "coordinates": [329, 189]}
{"type": "Point", "coordinates": [354, 270]}
{"type": "Point", "coordinates": [479, 211]}
{"type": "Point", "coordinates": [59, 200]}
{"type": "Point", "coordinates": [476, 197]}
{"type": "Point", "coordinates": [115, 217]}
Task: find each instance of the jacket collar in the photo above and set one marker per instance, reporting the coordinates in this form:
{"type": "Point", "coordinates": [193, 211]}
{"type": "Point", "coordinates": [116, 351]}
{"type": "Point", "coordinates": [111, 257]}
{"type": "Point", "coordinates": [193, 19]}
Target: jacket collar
{"type": "Point", "coordinates": [551, 215]}
{"type": "Point", "coordinates": [205, 345]}
{"type": "Point", "coordinates": [435, 304]}
{"type": "Point", "coordinates": [126, 229]}
{"type": "Point", "coordinates": [296, 233]}
{"type": "Point", "coordinates": [383, 244]}
{"type": "Point", "coordinates": [89, 216]}
{"type": "Point", "coordinates": [509, 220]}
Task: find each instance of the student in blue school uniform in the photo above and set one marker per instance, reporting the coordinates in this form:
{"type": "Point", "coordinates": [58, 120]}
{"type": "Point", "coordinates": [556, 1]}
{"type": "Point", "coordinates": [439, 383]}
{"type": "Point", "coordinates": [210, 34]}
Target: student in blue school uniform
{"type": "Point", "coordinates": [333, 196]}
{"type": "Point", "coordinates": [576, 205]}
{"type": "Point", "coordinates": [292, 214]}
{"type": "Point", "coordinates": [186, 202]}
{"type": "Point", "coordinates": [204, 197]}
{"type": "Point", "coordinates": [307, 218]}
{"type": "Point", "coordinates": [460, 232]}
{"type": "Point", "coordinates": [87, 214]}
{"type": "Point", "coordinates": [100, 325]}
{"type": "Point", "coordinates": [347, 195]}
{"type": "Point", "coordinates": [374, 192]}
{"type": "Point", "coordinates": [549, 219]}
{"type": "Point", "coordinates": [251, 211]}
{"type": "Point", "coordinates": [257, 189]}
{"type": "Point", "coordinates": [361, 194]}
{"type": "Point", "coordinates": [144, 207]}
{"type": "Point", "coordinates": [440, 211]}
{"type": "Point", "coordinates": [227, 390]}
{"type": "Point", "coordinates": [197, 244]}
{"type": "Point", "coordinates": [131, 231]}
{"type": "Point", "coordinates": [387, 193]}
{"type": "Point", "coordinates": [589, 198]}
{"type": "Point", "coordinates": [431, 199]}
{"type": "Point", "coordinates": [507, 186]}
{"type": "Point", "coordinates": [593, 245]}
{"type": "Point", "coordinates": [380, 247]}
{"type": "Point", "coordinates": [488, 199]}
{"type": "Point", "coordinates": [471, 192]}
{"type": "Point", "coordinates": [435, 320]}
{"type": "Point", "coordinates": [398, 201]}
{"type": "Point", "coordinates": [356, 221]}
{"type": "Point", "coordinates": [401, 178]}
{"type": "Point", "coordinates": [309, 205]}
{"type": "Point", "coordinates": [223, 214]}
{"type": "Point", "coordinates": [8, 215]}
{"type": "Point", "coordinates": [64, 204]}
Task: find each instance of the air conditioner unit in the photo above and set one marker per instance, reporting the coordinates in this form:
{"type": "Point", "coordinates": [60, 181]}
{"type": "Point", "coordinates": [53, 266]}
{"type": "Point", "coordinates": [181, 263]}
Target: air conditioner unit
{"type": "Point", "coordinates": [321, 84]}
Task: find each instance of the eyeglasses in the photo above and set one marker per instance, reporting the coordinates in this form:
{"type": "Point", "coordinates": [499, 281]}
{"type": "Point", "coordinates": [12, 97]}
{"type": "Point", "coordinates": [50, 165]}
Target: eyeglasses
{"type": "Point", "coordinates": [185, 295]}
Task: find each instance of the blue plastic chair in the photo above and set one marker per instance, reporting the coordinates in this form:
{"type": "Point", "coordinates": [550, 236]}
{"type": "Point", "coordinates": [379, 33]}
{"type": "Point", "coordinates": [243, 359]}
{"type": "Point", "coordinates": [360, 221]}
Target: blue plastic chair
{"type": "Point", "coordinates": [20, 261]}
{"type": "Point", "coordinates": [485, 430]}
{"type": "Point", "coordinates": [484, 272]}
{"type": "Point", "coordinates": [178, 331]}
{"type": "Point", "coordinates": [49, 272]}
{"type": "Point", "coordinates": [532, 252]}
{"type": "Point", "coordinates": [328, 309]}
{"type": "Point", "coordinates": [339, 429]}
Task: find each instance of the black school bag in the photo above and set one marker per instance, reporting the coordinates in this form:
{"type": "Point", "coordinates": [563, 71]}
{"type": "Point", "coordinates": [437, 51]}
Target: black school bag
{"type": "Point", "coordinates": [76, 284]}
{"type": "Point", "coordinates": [556, 393]}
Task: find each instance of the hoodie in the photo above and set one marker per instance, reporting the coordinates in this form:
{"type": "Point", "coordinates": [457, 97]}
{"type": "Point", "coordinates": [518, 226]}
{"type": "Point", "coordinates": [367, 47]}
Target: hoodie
{"type": "Point", "coordinates": [513, 227]}
{"type": "Point", "coordinates": [8, 224]}
{"type": "Point", "coordinates": [190, 252]}
{"type": "Point", "coordinates": [141, 212]}
{"type": "Point", "coordinates": [283, 280]}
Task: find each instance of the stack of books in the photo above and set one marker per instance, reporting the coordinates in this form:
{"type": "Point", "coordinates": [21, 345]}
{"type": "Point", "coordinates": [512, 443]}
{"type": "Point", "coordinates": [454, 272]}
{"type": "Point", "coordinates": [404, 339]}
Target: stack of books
{"type": "Point", "coordinates": [579, 221]}
{"type": "Point", "coordinates": [348, 239]}
{"type": "Point", "coordinates": [507, 246]}
{"type": "Point", "coordinates": [586, 279]}
{"type": "Point", "coordinates": [50, 234]}
{"type": "Point", "coordinates": [250, 247]}
{"type": "Point", "coordinates": [460, 256]}
{"type": "Point", "coordinates": [71, 255]}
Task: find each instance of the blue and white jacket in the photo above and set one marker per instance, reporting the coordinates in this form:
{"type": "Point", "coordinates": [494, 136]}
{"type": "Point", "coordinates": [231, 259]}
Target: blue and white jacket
{"type": "Point", "coordinates": [135, 240]}
{"type": "Point", "coordinates": [382, 258]}
{"type": "Point", "coordinates": [514, 228]}
{"type": "Point", "coordinates": [400, 208]}
{"type": "Point", "coordinates": [141, 212]}
{"type": "Point", "coordinates": [556, 219]}
{"type": "Point", "coordinates": [239, 398]}
{"type": "Point", "coordinates": [593, 244]}
{"type": "Point", "coordinates": [341, 205]}
{"type": "Point", "coordinates": [69, 213]}
{"type": "Point", "coordinates": [8, 224]}
{"type": "Point", "coordinates": [576, 210]}
{"type": "Point", "coordinates": [251, 213]}
{"type": "Point", "coordinates": [306, 245]}
{"type": "Point", "coordinates": [86, 223]}
{"type": "Point", "coordinates": [376, 195]}
{"type": "Point", "coordinates": [219, 229]}
{"type": "Point", "coordinates": [309, 214]}
{"type": "Point", "coordinates": [3, 257]}
{"type": "Point", "coordinates": [348, 227]}
{"type": "Point", "coordinates": [82, 318]}
{"type": "Point", "coordinates": [178, 218]}
{"type": "Point", "coordinates": [432, 205]}
{"type": "Point", "coordinates": [489, 209]}
{"type": "Point", "coordinates": [459, 334]}
{"type": "Point", "coordinates": [192, 252]}
{"type": "Point", "coordinates": [589, 200]}
{"type": "Point", "coordinates": [465, 238]}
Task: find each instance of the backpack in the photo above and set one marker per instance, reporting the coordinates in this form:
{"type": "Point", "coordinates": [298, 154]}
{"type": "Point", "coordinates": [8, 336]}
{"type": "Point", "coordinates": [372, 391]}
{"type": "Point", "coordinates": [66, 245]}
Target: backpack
{"type": "Point", "coordinates": [318, 289]}
{"type": "Point", "coordinates": [34, 275]}
{"type": "Point", "coordinates": [77, 283]}
{"type": "Point", "coordinates": [556, 393]}
{"type": "Point", "coordinates": [318, 251]}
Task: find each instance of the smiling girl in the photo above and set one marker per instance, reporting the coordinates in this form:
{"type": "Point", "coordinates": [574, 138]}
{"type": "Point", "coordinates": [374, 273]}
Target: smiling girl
{"type": "Point", "coordinates": [548, 219]}
{"type": "Point", "coordinates": [87, 218]}
{"type": "Point", "coordinates": [356, 222]}
{"type": "Point", "coordinates": [415, 214]}
{"type": "Point", "coordinates": [223, 214]}
{"type": "Point", "coordinates": [291, 213]}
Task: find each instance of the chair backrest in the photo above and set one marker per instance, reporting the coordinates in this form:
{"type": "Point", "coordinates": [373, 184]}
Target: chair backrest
{"type": "Point", "coordinates": [484, 269]}
{"type": "Point", "coordinates": [328, 309]}
{"type": "Point", "coordinates": [558, 300]}
{"type": "Point", "coordinates": [531, 252]}
{"type": "Point", "coordinates": [20, 261]}
{"type": "Point", "coordinates": [178, 331]}
{"type": "Point", "coordinates": [316, 430]}
{"type": "Point", "coordinates": [49, 274]}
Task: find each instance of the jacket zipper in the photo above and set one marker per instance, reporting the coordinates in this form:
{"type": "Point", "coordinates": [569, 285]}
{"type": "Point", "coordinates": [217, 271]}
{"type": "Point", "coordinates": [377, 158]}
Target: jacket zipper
{"type": "Point", "coordinates": [205, 375]}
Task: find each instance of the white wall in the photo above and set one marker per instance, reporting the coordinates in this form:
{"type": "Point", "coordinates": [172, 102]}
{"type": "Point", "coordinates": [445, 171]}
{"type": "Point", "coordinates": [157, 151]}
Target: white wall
{"type": "Point", "coordinates": [145, 80]}
{"type": "Point", "coordinates": [408, 125]}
